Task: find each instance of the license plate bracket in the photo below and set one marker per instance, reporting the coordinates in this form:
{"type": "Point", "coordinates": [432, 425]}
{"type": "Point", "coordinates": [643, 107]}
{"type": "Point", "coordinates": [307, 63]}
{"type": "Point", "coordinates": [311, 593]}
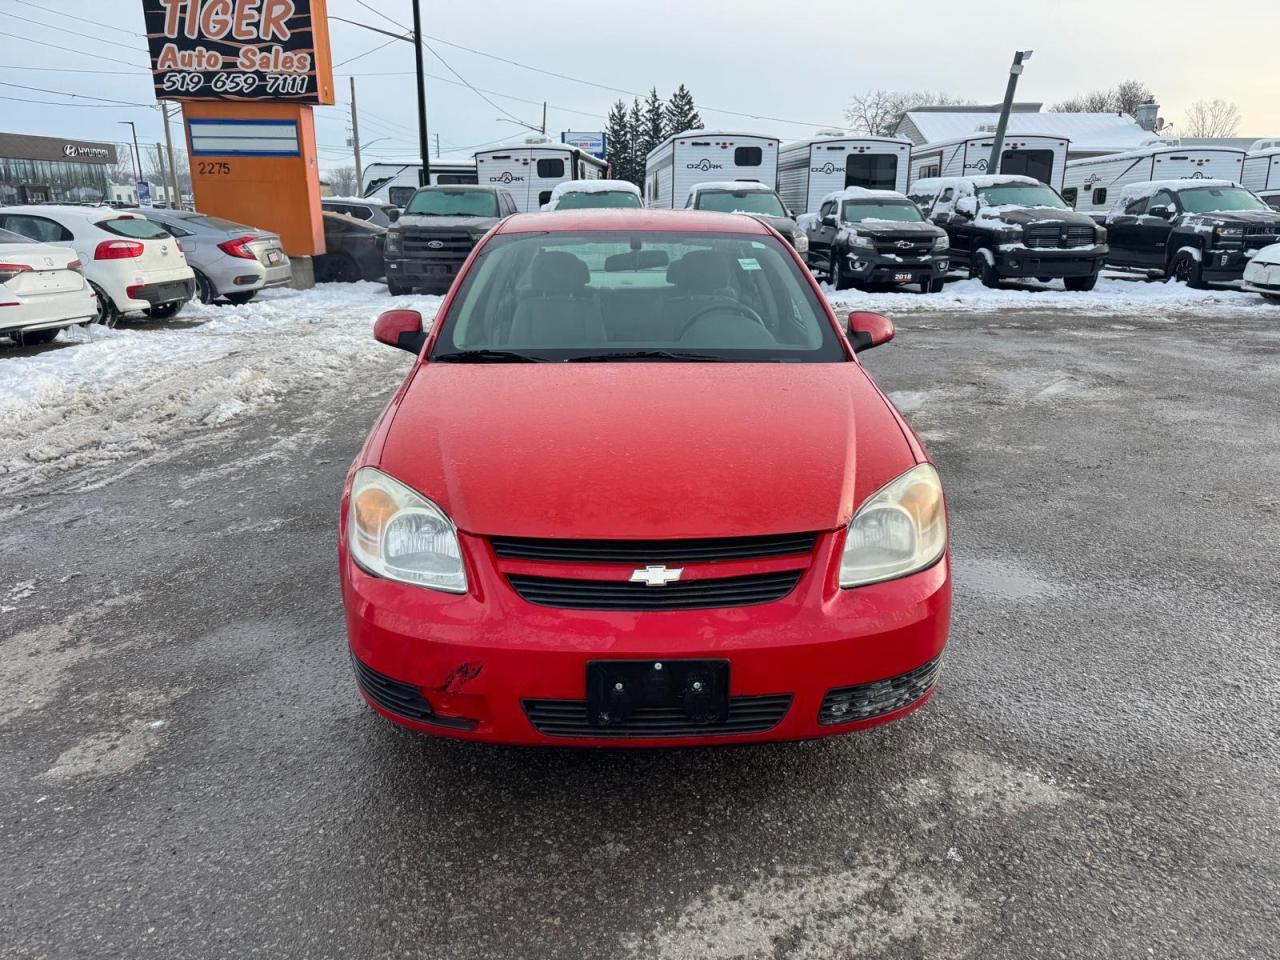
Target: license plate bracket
{"type": "Point", "coordinates": [617, 688]}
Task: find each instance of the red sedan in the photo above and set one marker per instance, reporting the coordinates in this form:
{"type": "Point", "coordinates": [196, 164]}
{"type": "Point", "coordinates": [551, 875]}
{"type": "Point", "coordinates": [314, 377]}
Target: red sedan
{"type": "Point", "coordinates": [637, 490]}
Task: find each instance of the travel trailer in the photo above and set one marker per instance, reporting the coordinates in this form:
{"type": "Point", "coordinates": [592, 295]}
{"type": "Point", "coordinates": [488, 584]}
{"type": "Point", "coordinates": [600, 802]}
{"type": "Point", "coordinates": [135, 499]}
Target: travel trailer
{"type": "Point", "coordinates": [395, 182]}
{"type": "Point", "coordinates": [1261, 169]}
{"type": "Point", "coordinates": [681, 161]}
{"type": "Point", "coordinates": [809, 170]}
{"type": "Point", "coordinates": [532, 168]}
{"type": "Point", "coordinates": [1043, 158]}
{"type": "Point", "coordinates": [1092, 185]}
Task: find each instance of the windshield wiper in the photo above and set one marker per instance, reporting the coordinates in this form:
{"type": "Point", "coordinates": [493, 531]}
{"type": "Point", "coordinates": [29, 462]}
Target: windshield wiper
{"type": "Point", "coordinates": [671, 355]}
{"type": "Point", "coordinates": [487, 356]}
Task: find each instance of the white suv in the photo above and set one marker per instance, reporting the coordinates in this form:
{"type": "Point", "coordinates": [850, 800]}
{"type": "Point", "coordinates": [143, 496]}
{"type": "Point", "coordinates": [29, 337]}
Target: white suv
{"type": "Point", "coordinates": [130, 262]}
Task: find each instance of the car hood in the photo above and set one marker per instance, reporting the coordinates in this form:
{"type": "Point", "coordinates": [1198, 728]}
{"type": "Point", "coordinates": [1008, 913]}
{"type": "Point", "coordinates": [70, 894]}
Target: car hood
{"type": "Point", "coordinates": [1025, 216]}
{"type": "Point", "coordinates": [1246, 217]}
{"type": "Point", "coordinates": [1268, 255]}
{"type": "Point", "coordinates": [644, 450]}
{"type": "Point", "coordinates": [784, 225]}
{"type": "Point", "coordinates": [472, 224]}
{"type": "Point", "coordinates": [880, 228]}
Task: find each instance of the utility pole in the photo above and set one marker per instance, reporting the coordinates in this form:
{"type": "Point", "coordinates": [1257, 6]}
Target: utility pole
{"type": "Point", "coordinates": [137, 158]}
{"type": "Point", "coordinates": [355, 139]}
{"type": "Point", "coordinates": [437, 146]}
{"type": "Point", "coordinates": [997, 145]}
{"type": "Point", "coordinates": [164, 174]}
{"type": "Point", "coordinates": [424, 175]}
{"type": "Point", "coordinates": [173, 164]}
{"type": "Point", "coordinates": [544, 118]}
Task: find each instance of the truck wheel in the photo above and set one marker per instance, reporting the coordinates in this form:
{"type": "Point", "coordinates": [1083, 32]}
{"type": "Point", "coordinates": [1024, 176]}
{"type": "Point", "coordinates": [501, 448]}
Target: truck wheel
{"type": "Point", "coordinates": [836, 272]}
{"type": "Point", "coordinates": [982, 269]}
{"type": "Point", "coordinates": [1081, 284]}
{"type": "Point", "coordinates": [398, 290]}
{"type": "Point", "coordinates": [163, 311]}
{"type": "Point", "coordinates": [1187, 269]}
{"type": "Point", "coordinates": [1271, 297]}
{"type": "Point", "coordinates": [934, 286]}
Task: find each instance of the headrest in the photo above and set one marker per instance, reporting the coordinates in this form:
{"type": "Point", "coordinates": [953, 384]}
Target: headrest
{"type": "Point", "coordinates": [700, 271]}
{"type": "Point", "coordinates": [555, 271]}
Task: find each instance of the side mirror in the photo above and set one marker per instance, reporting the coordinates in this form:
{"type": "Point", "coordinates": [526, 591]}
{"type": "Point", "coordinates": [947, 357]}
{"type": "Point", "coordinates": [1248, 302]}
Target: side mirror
{"type": "Point", "coordinates": [829, 220]}
{"type": "Point", "coordinates": [791, 214]}
{"type": "Point", "coordinates": [967, 207]}
{"type": "Point", "coordinates": [400, 328]}
{"type": "Point", "coordinates": [393, 215]}
{"type": "Point", "coordinates": [867, 330]}
{"type": "Point", "coordinates": [1164, 212]}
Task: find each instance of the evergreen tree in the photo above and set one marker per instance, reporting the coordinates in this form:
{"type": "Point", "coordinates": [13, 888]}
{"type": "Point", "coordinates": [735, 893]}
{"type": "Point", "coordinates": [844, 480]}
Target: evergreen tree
{"type": "Point", "coordinates": [655, 123]}
{"type": "Point", "coordinates": [635, 124]}
{"type": "Point", "coordinates": [617, 134]}
{"type": "Point", "coordinates": [681, 114]}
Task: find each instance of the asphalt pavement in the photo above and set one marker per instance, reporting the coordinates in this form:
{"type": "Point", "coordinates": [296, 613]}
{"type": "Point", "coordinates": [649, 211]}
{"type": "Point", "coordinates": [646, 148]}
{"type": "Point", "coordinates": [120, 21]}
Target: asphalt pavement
{"type": "Point", "coordinates": [187, 770]}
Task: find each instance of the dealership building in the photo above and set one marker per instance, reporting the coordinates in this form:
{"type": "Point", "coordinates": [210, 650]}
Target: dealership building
{"type": "Point", "coordinates": [45, 169]}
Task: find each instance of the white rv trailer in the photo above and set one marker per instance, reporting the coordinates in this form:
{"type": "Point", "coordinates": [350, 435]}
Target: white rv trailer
{"type": "Point", "coordinates": [395, 182]}
{"type": "Point", "coordinates": [532, 168]}
{"type": "Point", "coordinates": [1262, 167]}
{"type": "Point", "coordinates": [1093, 184]}
{"type": "Point", "coordinates": [695, 156]}
{"type": "Point", "coordinates": [1041, 157]}
{"type": "Point", "coordinates": [808, 170]}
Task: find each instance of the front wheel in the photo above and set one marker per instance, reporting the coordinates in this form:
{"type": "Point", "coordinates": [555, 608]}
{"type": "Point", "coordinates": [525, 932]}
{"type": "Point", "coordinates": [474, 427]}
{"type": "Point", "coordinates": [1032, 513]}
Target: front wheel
{"type": "Point", "coordinates": [338, 268]}
{"type": "Point", "coordinates": [838, 278]}
{"type": "Point", "coordinates": [933, 286]}
{"type": "Point", "coordinates": [984, 270]}
{"type": "Point", "coordinates": [1081, 284]}
{"type": "Point", "coordinates": [1271, 297]}
{"type": "Point", "coordinates": [1187, 269]}
{"type": "Point", "coordinates": [163, 311]}
{"type": "Point", "coordinates": [240, 298]}
{"type": "Point", "coordinates": [398, 290]}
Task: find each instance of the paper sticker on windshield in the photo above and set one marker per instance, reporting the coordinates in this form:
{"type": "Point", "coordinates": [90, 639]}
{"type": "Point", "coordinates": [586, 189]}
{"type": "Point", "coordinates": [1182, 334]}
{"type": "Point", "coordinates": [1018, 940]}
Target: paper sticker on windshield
{"type": "Point", "coordinates": [748, 263]}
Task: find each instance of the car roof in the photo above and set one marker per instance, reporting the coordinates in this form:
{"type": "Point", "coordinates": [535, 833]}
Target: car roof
{"type": "Point", "coordinates": [92, 214]}
{"type": "Point", "coordinates": [653, 221]}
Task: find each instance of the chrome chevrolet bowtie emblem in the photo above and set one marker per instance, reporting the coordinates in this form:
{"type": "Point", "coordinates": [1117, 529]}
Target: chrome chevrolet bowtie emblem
{"type": "Point", "coordinates": [656, 576]}
{"type": "Point", "coordinates": [904, 244]}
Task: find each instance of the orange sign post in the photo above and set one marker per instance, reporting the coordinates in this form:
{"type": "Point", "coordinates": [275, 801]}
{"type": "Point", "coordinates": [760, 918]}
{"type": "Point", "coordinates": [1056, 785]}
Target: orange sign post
{"type": "Point", "coordinates": [247, 73]}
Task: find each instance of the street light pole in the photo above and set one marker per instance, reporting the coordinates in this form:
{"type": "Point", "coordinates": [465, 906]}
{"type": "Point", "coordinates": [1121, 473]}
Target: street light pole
{"type": "Point", "coordinates": [424, 175]}
{"type": "Point", "coordinates": [997, 145]}
{"type": "Point", "coordinates": [137, 159]}
{"type": "Point", "coordinates": [355, 139]}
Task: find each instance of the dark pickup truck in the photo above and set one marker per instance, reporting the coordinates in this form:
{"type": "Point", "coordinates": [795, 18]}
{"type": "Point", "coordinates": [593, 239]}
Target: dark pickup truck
{"type": "Point", "coordinates": [434, 236]}
{"type": "Point", "coordinates": [1194, 231]}
{"type": "Point", "coordinates": [1004, 226]}
{"type": "Point", "coordinates": [868, 237]}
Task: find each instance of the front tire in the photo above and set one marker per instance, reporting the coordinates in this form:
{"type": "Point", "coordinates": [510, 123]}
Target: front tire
{"type": "Point", "coordinates": [163, 311]}
{"type": "Point", "coordinates": [984, 270]}
{"type": "Point", "coordinates": [1187, 269]}
{"type": "Point", "coordinates": [339, 268]}
{"type": "Point", "coordinates": [934, 286]}
{"type": "Point", "coordinates": [838, 278]}
{"type": "Point", "coordinates": [398, 290]}
{"type": "Point", "coordinates": [1271, 297]}
{"type": "Point", "coordinates": [1081, 284]}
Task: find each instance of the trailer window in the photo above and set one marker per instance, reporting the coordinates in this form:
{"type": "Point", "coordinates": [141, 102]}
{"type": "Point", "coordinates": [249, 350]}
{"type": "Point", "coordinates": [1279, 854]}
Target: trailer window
{"type": "Point", "coordinates": [549, 168]}
{"type": "Point", "coordinates": [1070, 194]}
{"type": "Point", "coordinates": [400, 195]}
{"type": "Point", "coordinates": [871, 171]}
{"type": "Point", "coordinates": [544, 197]}
{"type": "Point", "coordinates": [748, 156]}
{"type": "Point", "coordinates": [1028, 163]}
{"type": "Point", "coordinates": [1099, 196]}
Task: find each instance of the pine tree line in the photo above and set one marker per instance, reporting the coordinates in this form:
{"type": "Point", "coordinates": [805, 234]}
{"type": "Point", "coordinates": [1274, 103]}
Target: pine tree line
{"type": "Point", "coordinates": [632, 133]}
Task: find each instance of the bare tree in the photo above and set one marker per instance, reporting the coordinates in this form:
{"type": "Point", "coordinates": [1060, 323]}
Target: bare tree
{"type": "Point", "coordinates": [877, 112]}
{"type": "Point", "coordinates": [344, 182]}
{"type": "Point", "coordinates": [1124, 97]}
{"type": "Point", "coordinates": [1212, 118]}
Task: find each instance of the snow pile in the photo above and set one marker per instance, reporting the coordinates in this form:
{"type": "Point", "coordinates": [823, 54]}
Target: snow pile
{"type": "Point", "coordinates": [731, 186]}
{"type": "Point", "coordinates": [110, 394]}
{"type": "Point", "coordinates": [862, 193]}
{"type": "Point", "coordinates": [593, 186]}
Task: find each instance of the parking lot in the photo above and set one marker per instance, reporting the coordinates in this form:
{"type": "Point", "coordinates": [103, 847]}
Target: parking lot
{"type": "Point", "coordinates": [189, 770]}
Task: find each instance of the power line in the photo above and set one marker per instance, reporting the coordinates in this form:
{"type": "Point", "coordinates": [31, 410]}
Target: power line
{"type": "Point", "coordinates": [78, 96]}
{"type": "Point", "coordinates": [58, 103]}
{"type": "Point", "coordinates": [72, 16]}
{"type": "Point", "coordinates": [107, 73]}
{"type": "Point", "coordinates": [83, 53]}
{"type": "Point", "coordinates": [75, 33]}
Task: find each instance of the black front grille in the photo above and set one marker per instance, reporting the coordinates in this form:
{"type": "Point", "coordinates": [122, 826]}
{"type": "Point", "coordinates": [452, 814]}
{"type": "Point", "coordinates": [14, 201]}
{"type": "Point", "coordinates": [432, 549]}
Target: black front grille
{"type": "Point", "coordinates": [687, 595]}
{"type": "Point", "coordinates": [1058, 237]}
{"type": "Point", "coordinates": [402, 699]}
{"type": "Point", "coordinates": [914, 246]}
{"type": "Point", "coordinates": [867, 700]}
{"type": "Point", "coordinates": [652, 551]}
{"type": "Point", "coordinates": [1267, 233]}
{"type": "Point", "coordinates": [568, 718]}
{"type": "Point", "coordinates": [428, 245]}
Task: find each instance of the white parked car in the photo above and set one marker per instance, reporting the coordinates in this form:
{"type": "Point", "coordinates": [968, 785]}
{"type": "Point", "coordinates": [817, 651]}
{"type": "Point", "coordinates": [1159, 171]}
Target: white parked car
{"type": "Point", "coordinates": [42, 290]}
{"type": "Point", "coordinates": [1262, 273]}
{"type": "Point", "coordinates": [131, 263]}
{"type": "Point", "coordinates": [593, 194]}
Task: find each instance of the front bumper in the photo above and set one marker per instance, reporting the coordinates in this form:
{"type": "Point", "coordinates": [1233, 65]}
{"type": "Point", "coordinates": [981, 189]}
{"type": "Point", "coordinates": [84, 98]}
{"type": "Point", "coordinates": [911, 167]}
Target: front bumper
{"type": "Point", "coordinates": [871, 266]}
{"type": "Point", "coordinates": [1031, 262]}
{"type": "Point", "coordinates": [1224, 266]}
{"type": "Point", "coordinates": [413, 272]}
{"type": "Point", "coordinates": [491, 666]}
{"type": "Point", "coordinates": [1262, 278]}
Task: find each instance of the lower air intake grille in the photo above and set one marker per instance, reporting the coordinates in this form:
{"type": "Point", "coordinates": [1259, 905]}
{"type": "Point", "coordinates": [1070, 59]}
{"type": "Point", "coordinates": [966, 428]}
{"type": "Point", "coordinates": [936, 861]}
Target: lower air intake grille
{"type": "Point", "coordinates": [402, 699]}
{"type": "Point", "coordinates": [568, 718]}
{"type": "Point", "coordinates": [652, 551]}
{"type": "Point", "coordinates": [867, 700]}
{"type": "Point", "coordinates": [686, 595]}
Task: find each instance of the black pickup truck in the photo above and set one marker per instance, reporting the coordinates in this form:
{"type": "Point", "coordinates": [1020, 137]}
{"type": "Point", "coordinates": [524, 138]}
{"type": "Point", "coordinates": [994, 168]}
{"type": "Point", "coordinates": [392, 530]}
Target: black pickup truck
{"type": "Point", "coordinates": [434, 236]}
{"type": "Point", "coordinates": [1004, 226]}
{"type": "Point", "coordinates": [867, 237]}
{"type": "Point", "coordinates": [1194, 231]}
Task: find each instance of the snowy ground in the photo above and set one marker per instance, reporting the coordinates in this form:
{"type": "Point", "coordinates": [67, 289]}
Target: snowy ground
{"type": "Point", "coordinates": [97, 397]}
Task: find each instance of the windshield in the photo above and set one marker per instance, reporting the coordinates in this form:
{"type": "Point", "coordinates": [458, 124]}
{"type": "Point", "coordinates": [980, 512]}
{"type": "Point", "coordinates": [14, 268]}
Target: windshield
{"type": "Point", "coordinates": [636, 296]}
{"type": "Point", "coordinates": [1021, 195]}
{"type": "Point", "coordinates": [135, 227]}
{"type": "Point", "coordinates": [585, 200]}
{"type": "Point", "coordinates": [1218, 199]}
{"type": "Point", "coordinates": [740, 201]}
{"type": "Point", "coordinates": [855, 211]}
{"type": "Point", "coordinates": [453, 202]}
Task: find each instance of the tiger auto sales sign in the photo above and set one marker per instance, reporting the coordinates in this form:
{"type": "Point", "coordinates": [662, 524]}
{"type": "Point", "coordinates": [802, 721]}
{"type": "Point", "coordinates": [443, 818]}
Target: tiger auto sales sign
{"type": "Point", "coordinates": [239, 50]}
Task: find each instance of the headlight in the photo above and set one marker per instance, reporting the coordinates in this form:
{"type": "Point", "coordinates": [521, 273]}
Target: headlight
{"type": "Point", "coordinates": [398, 534]}
{"type": "Point", "coordinates": [800, 242]}
{"type": "Point", "coordinates": [394, 239]}
{"type": "Point", "coordinates": [902, 528]}
{"type": "Point", "coordinates": [941, 243]}
{"type": "Point", "coordinates": [1231, 231]}
{"type": "Point", "coordinates": [858, 240]}
{"type": "Point", "coordinates": [1099, 235]}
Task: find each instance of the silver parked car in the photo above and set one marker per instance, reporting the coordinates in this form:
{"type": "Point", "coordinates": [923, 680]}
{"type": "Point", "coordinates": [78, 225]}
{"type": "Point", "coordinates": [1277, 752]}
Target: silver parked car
{"type": "Point", "coordinates": [230, 260]}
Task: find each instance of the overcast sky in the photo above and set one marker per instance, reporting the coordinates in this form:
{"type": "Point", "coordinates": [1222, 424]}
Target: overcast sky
{"type": "Point", "coordinates": [753, 57]}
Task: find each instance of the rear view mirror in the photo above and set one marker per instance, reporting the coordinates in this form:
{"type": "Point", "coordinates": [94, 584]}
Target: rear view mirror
{"type": "Point", "coordinates": [401, 329]}
{"type": "Point", "coordinates": [967, 207]}
{"type": "Point", "coordinates": [867, 330]}
{"type": "Point", "coordinates": [636, 260]}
